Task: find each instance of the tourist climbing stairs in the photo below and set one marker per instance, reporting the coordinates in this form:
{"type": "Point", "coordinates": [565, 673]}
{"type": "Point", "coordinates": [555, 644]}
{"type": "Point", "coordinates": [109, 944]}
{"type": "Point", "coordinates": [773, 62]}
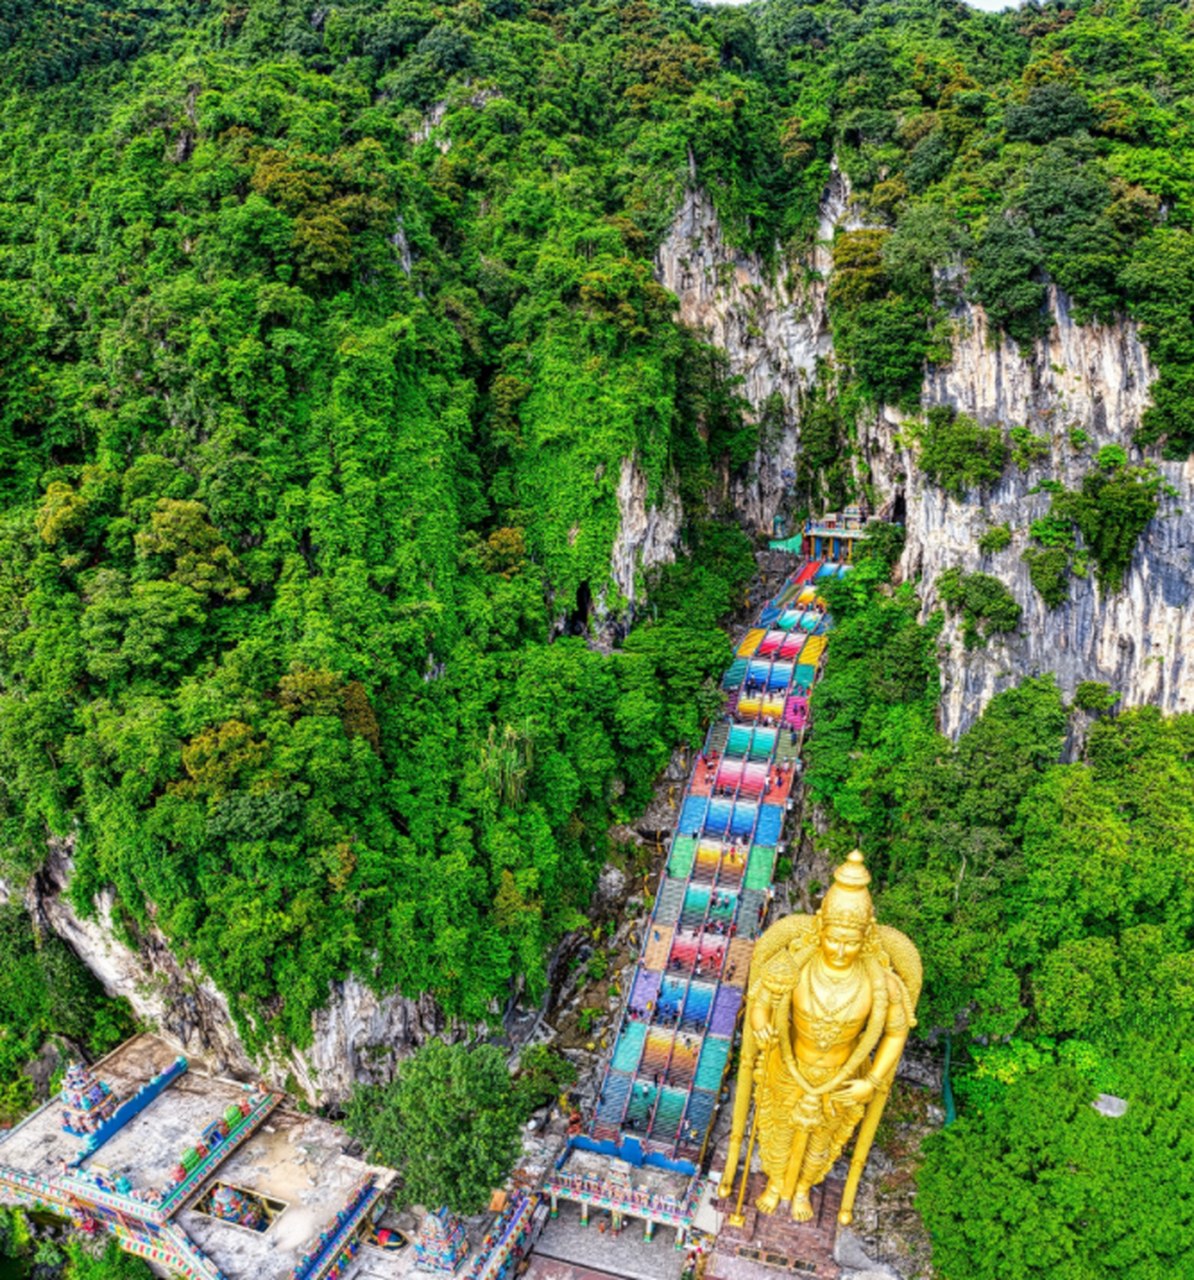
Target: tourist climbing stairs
{"type": "Point", "coordinates": [672, 1047]}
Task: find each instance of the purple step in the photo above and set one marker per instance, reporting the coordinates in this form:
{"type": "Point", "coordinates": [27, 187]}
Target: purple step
{"type": "Point", "coordinates": [646, 987]}
{"type": "Point", "coordinates": [725, 1011]}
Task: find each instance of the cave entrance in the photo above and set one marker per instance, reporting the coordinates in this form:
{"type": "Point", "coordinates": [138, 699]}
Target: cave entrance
{"type": "Point", "coordinates": [578, 619]}
{"type": "Point", "coordinates": [899, 511]}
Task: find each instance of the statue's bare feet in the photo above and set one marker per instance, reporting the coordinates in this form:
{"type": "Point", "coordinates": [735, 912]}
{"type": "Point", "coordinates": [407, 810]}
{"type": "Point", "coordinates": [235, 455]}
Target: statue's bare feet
{"type": "Point", "coordinates": [802, 1208]}
{"type": "Point", "coordinates": [769, 1200]}
{"type": "Point", "coordinates": [727, 1186]}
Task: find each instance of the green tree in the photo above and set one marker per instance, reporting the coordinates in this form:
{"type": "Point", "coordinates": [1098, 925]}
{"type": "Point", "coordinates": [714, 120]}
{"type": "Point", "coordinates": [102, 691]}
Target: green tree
{"type": "Point", "coordinates": [1041, 1180]}
{"type": "Point", "coordinates": [105, 1261]}
{"type": "Point", "coordinates": [448, 1122]}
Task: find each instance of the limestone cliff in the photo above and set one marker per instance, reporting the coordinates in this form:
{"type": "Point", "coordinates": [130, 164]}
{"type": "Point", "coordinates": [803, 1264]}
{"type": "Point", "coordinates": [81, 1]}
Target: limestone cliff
{"type": "Point", "coordinates": [648, 532]}
{"type": "Point", "coordinates": [356, 1037]}
{"type": "Point", "coordinates": [1094, 377]}
{"type": "Point", "coordinates": [774, 329]}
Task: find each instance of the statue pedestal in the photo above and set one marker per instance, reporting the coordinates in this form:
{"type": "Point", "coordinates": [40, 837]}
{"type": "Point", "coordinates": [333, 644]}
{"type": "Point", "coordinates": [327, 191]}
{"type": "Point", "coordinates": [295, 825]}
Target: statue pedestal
{"type": "Point", "coordinates": [767, 1245]}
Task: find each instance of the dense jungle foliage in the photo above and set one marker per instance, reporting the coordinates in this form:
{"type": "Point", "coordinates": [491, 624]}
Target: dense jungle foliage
{"type": "Point", "coordinates": [327, 333]}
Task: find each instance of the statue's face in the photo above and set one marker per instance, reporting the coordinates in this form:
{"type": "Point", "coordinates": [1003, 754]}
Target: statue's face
{"type": "Point", "coordinates": [840, 945]}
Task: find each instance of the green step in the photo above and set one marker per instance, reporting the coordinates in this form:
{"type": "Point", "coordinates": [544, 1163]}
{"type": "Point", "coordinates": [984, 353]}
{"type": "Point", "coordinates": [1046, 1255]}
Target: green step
{"type": "Point", "coordinates": [739, 740]}
{"type": "Point", "coordinates": [682, 857]}
{"type": "Point", "coordinates": [760, 868]}
{"type": "Point", "coordinates": [733, 677]}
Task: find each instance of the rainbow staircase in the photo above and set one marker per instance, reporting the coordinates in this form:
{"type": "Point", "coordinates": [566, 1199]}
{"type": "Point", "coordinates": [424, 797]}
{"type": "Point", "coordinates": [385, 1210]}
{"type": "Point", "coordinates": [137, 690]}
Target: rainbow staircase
{"type": "Point", "coordinates": [672, 1048]}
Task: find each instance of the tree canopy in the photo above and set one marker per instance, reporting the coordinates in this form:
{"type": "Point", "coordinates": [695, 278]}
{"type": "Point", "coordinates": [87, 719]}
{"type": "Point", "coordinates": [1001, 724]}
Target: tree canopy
{"type": "Point", "coordinates": [1042, 1181]}
{"type": "Point", "coordinates": [448, 1122]}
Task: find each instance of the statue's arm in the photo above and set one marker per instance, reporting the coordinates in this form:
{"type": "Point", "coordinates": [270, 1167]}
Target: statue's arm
{"type": "Point", "coordinates": [776, 981]}
{"type": "Point", "coordinates": [895, 1033]}
{"type": "Point", "coordinates": [888, 1050]}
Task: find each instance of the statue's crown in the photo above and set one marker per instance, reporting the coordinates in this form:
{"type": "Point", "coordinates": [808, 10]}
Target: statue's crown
{"type": "Point", "coordinates": [848, 900]}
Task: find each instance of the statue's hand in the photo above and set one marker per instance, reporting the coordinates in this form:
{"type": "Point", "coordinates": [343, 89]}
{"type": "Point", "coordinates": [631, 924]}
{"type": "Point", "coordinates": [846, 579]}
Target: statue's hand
{"type": "Point", "coordinates": [857, 1091]}
{"type": "Point", "coordinates": [764, 1036]}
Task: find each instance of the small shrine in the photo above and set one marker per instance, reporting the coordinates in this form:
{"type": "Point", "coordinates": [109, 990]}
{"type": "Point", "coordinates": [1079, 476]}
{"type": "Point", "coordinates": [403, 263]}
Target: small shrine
{"type": "Point", "coordinates": [441, 1245]}
{"type": "Point", "coordinates": [231, 1204]}
{"type": "Point", "coordinates": [86, 1101]}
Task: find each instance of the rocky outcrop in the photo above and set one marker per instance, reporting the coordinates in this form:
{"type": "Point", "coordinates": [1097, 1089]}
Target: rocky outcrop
{"type": "Point", "coordinates": [358, 1036]}
{"type": "Point", "coordinates": [648, 532]}
{"type": "Point", "coordinates": [1092, 377]}
{"type": "Point", "coordinates": [770, 319]}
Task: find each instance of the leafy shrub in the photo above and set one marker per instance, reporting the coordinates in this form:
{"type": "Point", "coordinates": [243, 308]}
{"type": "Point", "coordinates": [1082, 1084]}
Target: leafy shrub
{"type": "Point", "coordinates": [997, 538]}
{"type": "Point", "coordinates": [883, 542]}
{"type": "Point", "coordinates": [957, 454]}
{"type": "Point", "coordinates": [1091, 695]}
{"type": "Point", "coordinates": [1028, 449]}
{"type": "Point", "coordinates": [1049, 572]}
{"type": "Point", "coordinates": [1115, 504]}
{"type": "Point", "coordinates": [986, 605]}
{"type": "Point", "coordinates": [543, 1074]}
{"type": "Point", "coordinates": [1110, 511]}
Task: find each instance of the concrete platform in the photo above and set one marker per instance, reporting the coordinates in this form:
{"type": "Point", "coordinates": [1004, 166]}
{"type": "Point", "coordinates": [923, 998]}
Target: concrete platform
{"type": "Point", "coordinates": [565, 1243]}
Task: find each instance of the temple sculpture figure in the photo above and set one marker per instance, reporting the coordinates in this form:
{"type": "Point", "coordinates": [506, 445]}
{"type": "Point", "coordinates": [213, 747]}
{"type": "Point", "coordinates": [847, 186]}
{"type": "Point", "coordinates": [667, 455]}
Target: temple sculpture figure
{"type": "Point", "coordinates": [830, 1001]}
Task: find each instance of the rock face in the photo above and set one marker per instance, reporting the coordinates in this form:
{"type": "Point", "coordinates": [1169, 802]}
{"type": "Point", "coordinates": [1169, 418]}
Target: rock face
{"type": "Point", "coordinates": [1092, 377]}
{"type": "Point", "coordinates": [357, 1037]}
{"type": "Point", "coordinates": [648, 533]}
{"type": "Point", "coordinates": [774, 330]}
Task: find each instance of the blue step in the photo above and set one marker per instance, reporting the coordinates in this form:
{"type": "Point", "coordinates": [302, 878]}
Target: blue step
{"type": "Point", "coordinates": [613, 1098]}
{"type": "Point", "coordinates": [771, 821]}
{"type": "Point", "coordinates": [692, 816]}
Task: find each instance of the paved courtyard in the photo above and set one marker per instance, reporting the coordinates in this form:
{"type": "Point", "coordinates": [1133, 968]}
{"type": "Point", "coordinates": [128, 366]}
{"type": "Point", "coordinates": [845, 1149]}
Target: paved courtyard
{"type": "Point", "coordinates": [566, 1244]}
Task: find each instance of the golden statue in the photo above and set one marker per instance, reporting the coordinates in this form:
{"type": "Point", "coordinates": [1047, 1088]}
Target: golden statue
{"type": "Point", "coordinates": [826, 992]}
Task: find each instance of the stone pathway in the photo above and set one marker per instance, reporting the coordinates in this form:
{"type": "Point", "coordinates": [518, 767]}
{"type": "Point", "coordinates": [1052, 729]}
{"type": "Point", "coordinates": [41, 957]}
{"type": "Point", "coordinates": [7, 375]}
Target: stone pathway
{"type": "Point", "coordinates": [767, 1245]}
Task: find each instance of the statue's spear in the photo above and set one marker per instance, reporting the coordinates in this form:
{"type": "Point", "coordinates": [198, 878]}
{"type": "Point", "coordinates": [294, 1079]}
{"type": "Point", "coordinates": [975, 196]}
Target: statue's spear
{"type": "Point", "coordinates": [862, 1148]}
{"type": "Point", "coordinates": [742, 1100]}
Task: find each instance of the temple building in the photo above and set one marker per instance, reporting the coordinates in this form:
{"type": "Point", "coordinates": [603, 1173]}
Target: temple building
{"type": "Point", "coordinates": [834, 535]}
{"type": "Point", "coordinates": [201, 1176]}
{"type": "Point", "coordinates": [214, 1180]}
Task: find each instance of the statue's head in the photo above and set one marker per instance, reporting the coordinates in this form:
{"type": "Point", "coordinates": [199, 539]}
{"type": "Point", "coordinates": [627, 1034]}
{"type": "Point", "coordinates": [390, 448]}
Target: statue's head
{"type": "Point", "coordinates": [847, 914]}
